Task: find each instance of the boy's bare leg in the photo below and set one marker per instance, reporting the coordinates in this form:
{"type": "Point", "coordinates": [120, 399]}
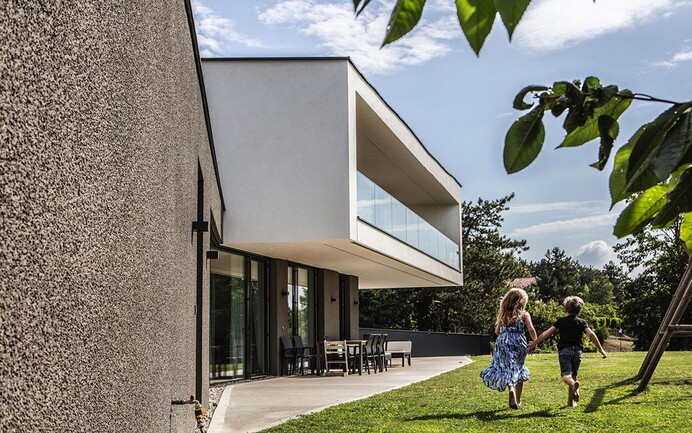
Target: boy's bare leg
{"type": "Point", "coordinates": [575, 390]}
{"type": "Point", "coordinates": [519, 389]}
{"type": "Point", "coordinates": [569, 381]}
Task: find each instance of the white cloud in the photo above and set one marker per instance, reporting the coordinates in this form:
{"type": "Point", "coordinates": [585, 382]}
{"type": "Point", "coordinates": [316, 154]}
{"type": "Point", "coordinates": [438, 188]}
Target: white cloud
{"type": "Point", "coordinates": [595, 253]}
{"type": "Point", "coordinates": [342, 34]}
{"type": "Point", "coordinates": [215, 33]}
{"type": "Point", "coordinates": [572, 206]}
{"type": "Point", "coordinates": [554, 24]}
{"type": "Point", "coordinates": [683, 55]}
{"type": "Point", "coordinates": [570, 225]}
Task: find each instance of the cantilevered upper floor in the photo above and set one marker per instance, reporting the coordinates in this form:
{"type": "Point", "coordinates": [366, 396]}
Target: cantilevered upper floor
{"type": "Point", "coordinates": [317, 169]}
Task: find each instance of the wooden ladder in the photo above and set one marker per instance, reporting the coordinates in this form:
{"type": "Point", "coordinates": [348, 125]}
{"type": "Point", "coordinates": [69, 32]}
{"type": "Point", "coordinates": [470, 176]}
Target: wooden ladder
{"type": "Point", "coordinates": [670, 327]}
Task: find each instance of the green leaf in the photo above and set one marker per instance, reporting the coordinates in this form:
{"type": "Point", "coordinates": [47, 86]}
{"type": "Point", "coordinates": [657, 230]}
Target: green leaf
{"type": "Point", "coordinates": [365, 3]}
{"type": "Point", "coordinates": [589, 130]}
{"type": "Point", "coordinates": [646, 148]}
{"type": "Point", "coordinates": [355, 4]}
{"type": "Point", "coordinates": [519, 103]}
{"type": "Point", "coordinates": [524, 140]}
{"type": "Point", "coordinates": [558, 108]}
{"type": "Point", "coordinates": [686, 231]}
{"type": "Point", "coordinates": [591, 83]}
{"type": "Point", "coordinates": [675, 145]}
{"type": "Point", "coordinates": [638, 213]}
{"type": "Point", "coordinates": [679, 200]}
{"type": "Point", "coordinates": [617, 177]}
{"type": "Point", "coordinates": [603, 95]}
{"type": "Point", "coordinates": [511, 12]}
{"type": "Point", "coordinates": [405, 16]}
{"type": "Point", "coordinates": [560, 87]}
{"type": "Point", "coordinates": [608, 129]}
{"type": "Point", "coordinates": [476, 18]}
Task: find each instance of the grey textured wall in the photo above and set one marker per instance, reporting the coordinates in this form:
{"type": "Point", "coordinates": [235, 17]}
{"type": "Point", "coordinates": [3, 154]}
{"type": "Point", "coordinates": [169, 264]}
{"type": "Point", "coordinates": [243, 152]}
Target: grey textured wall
{"type": "Point", "coordinates": [327, 311]}
{"type": "Point", "coordinates": [101, 130]}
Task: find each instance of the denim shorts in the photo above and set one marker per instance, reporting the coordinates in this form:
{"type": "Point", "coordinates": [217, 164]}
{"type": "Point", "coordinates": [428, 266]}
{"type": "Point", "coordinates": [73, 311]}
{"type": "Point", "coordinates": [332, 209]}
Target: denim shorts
{"type": "Point", "coordinates": [570, 358]}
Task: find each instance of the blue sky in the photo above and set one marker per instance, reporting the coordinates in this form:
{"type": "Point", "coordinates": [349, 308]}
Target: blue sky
{"type": "Point", "coordinates": [460, 105]}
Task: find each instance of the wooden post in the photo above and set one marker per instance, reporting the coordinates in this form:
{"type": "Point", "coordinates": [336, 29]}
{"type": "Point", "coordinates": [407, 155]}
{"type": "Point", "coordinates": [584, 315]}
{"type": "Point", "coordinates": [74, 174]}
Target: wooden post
{"type": "Point", "coordinates": [670, 326]}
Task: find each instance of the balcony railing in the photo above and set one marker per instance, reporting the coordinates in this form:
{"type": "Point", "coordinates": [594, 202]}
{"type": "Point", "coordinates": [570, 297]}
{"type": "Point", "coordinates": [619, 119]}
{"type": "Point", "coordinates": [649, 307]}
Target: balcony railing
{"type": "Point", "coordinates": [380, 209]}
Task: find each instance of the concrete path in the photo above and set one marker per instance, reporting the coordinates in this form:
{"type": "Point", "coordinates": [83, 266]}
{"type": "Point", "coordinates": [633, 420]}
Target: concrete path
{"type": "Point", "coordinates": [254, 406]}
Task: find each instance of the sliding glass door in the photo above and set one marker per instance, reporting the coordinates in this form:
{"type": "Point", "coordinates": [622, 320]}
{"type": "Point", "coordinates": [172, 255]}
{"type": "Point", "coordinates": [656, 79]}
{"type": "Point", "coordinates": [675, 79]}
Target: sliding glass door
{"type": "Point", "coordinates": [238, 317]}
{"type": "Point", "coordinates": [302, 303]}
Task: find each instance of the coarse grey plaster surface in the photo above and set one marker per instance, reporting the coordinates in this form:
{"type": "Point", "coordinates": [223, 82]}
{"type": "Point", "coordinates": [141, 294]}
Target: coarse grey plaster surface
{"type": "Point", "coordinates": [102, 131]}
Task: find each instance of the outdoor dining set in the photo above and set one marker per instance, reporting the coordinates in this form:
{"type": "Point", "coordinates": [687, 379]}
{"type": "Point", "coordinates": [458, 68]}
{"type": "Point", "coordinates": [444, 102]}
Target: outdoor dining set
{"type": "Point", "coordinates": [374, 351]}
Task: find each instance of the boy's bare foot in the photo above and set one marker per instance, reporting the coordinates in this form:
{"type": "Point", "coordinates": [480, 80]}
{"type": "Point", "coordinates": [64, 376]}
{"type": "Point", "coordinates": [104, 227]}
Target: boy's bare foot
{"type": "Point", "coordinates": [513, 398]}
{"type": "Point", "coordinates": [575, 391]}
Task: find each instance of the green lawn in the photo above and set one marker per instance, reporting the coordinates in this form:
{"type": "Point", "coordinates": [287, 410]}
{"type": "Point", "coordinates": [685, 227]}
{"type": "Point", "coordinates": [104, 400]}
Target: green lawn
{"type": "Point", "coordinates": [459, 402]}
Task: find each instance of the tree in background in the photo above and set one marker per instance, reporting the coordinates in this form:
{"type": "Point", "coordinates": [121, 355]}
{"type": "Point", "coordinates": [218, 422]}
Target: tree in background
{"type": "Point", "coordinates": [618, 278]}
{"type": "Point", "coordinates": [558, 276]}
{"type": "Point", "coordinates": [662, 257]}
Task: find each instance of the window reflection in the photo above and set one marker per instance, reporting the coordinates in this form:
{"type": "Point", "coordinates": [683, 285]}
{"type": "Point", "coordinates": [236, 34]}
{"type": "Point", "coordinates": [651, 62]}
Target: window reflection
{"type": "Point", "coordinates": [379, 208]}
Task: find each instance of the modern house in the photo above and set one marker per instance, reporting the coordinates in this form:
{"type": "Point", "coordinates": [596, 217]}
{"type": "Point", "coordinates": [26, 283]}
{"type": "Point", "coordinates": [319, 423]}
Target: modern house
{"type": "Point", "coordinates": [163, 221]}
{"type": "Point", "coordinates": [327, 191]}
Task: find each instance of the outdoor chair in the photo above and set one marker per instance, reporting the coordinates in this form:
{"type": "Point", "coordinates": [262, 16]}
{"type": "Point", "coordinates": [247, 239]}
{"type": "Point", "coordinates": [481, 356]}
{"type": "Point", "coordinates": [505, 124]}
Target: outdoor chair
{"type": "Point", "coordinates": [369, 354]}
{"type": "Point", "coordinates": [382, 354]}
{"type": "Point", "coordinates": [400, 349]}
{"type": "Point", "coordinates": [288, 355]}
{"type": "Point", "coordinates": [336, 353]}
{"type": "Point", "coordinates": [303, 353]}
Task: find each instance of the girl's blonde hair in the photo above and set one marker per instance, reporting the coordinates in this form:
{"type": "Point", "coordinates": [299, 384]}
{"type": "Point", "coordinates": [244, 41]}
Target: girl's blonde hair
{"type": "Point", "coordinates": [512, 307]}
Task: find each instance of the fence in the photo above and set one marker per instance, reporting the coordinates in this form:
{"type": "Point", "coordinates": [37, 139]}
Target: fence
{"type": "Point", "coordinates": [437, 343]}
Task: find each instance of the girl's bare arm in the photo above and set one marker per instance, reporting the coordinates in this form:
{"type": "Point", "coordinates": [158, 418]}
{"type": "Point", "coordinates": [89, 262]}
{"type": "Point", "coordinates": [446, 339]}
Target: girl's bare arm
{"type": "Point", "coordinates": [547, 333]}
{"type": "Point", "coordinates": [529, 327]}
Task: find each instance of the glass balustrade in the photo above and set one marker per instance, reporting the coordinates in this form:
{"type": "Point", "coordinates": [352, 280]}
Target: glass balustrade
{"type": "Point", "coordinates": [380, 209]}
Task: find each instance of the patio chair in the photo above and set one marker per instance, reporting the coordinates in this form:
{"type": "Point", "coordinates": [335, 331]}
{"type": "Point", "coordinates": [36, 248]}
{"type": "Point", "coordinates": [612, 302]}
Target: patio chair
{"type": "Point", "coordinates": [336, 352]}
{"type": "Point", "coordinates": [288, 355]}
{"type": "Point", "coordinates": [303, 353]}
{"type": "Point", "coordinates": [381, 352]}
{"type": "Point", "coordinates": [370, 353]}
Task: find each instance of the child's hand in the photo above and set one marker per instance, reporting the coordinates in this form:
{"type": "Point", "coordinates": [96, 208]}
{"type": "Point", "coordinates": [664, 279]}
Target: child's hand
{"type": "Point", "coordinates": [532, 347]}
{"type": "Point", "coordinates": [604, 353]}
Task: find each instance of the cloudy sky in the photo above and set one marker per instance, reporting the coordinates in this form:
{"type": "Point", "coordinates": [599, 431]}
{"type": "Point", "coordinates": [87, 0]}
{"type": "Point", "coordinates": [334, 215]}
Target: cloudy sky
{"type": "Point", "coordinates": [460, 105]}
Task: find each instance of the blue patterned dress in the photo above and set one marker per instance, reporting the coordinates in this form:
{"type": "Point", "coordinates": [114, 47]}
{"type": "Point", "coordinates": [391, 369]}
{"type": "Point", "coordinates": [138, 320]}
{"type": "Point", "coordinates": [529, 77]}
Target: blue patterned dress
{"type": "Point", "coordinates": [507, 365]}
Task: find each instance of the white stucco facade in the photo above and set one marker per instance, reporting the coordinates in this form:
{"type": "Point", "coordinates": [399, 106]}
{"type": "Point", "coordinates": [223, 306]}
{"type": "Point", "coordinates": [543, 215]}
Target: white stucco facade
{"type": "Point", "coordinates": [291, 136]}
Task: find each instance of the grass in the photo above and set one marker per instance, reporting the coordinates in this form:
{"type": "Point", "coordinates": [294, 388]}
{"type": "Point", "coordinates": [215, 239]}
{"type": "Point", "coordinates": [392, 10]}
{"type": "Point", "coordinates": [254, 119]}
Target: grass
{"type": "Point", "coordinates": [459, 402]}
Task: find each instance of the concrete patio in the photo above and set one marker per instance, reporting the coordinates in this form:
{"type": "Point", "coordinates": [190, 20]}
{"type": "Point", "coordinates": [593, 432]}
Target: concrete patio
{"type": "Point", "coordinates": [254, 406]}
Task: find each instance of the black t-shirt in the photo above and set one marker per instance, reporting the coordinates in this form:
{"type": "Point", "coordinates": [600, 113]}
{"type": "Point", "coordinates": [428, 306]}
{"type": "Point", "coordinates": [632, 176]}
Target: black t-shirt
{"type": "Point", "coordinates": [571, 330]}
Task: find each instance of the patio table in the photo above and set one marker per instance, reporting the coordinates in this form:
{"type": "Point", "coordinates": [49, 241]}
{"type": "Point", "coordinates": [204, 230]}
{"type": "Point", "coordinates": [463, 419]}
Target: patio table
{"type": "Point", "coordinates": [358, 351]}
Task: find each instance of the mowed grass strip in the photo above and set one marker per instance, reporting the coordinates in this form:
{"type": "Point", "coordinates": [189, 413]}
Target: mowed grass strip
{"type": "Point", "coordinates": [459, 402]}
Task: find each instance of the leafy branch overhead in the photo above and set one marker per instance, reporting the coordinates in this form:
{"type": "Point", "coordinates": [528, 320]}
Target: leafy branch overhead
{"type": "Point", "coordinates": [476, 18]}
{"type": "Point", "coordinates": [653, 171]}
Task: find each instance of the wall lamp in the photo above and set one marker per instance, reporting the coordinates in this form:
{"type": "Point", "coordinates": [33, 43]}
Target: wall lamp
{"type": "Point", "coordinates": [200, 226]}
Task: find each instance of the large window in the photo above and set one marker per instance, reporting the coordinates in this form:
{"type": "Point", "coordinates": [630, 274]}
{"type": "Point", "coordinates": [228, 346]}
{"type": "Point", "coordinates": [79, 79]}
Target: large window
{"type": "Point", "coordinates": [302, 303]}
{"type": "Point", "coordinates": [378, 208]}
{"type": "Point", "coordinates": [238, 343]}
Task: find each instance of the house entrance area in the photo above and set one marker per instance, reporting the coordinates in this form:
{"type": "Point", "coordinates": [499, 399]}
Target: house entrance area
{"type": "Point", "coordinates": [238, 339]}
